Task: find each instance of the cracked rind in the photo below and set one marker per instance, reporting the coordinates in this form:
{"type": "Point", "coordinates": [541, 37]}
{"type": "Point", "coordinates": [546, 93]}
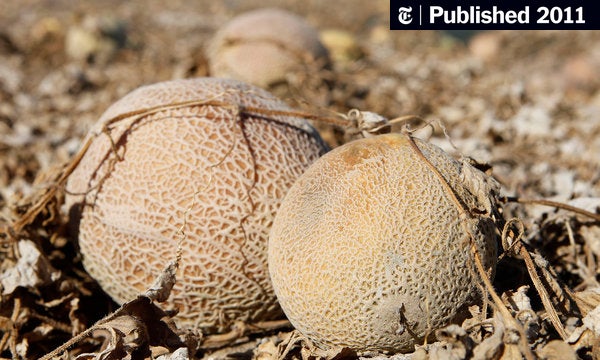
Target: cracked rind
{"type": "Point", "coordinates": [369, 251]}
{"type": "Point", "coordinates": [211, 168]}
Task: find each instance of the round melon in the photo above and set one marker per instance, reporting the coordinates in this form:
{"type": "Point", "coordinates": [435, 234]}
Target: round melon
{"type": "Point", "coordinates": [187, 155]}
{"type": "Point", "coordinates": [370, 250]}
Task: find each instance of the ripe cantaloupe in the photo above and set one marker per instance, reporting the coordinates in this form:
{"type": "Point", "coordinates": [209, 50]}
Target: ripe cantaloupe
{"type": "Point", "coordinates": [215, 170]}
{"type": "Point", "coordinates": [370, 251]}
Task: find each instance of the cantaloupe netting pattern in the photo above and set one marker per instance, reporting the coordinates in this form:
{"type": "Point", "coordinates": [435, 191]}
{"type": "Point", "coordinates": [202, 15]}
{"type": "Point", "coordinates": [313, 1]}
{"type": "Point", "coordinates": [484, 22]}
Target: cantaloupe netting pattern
{"type": "Point", "coordinates": [369, 251]}
{"type": "Point", "coordinates": [209, 168]}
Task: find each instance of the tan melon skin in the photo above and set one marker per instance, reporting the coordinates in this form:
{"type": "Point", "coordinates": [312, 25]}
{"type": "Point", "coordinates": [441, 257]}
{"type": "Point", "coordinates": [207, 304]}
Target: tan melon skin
{"type": "Point", "coordinates": [223, 173]}
{"type": "Point", "coordinates": [264, 46]}
{"type": "Point", "coordinates": [368, 251]}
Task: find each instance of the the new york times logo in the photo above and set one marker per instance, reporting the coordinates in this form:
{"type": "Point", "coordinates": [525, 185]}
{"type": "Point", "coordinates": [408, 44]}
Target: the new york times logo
{"type": "Point", "coordinates": [405, 15]}
{"type": "Point", "coordinates": [491, 15]}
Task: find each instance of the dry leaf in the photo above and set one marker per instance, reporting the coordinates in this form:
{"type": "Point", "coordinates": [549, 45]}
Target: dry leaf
{"type": "Point", "coordinates": [161, 289]}
{"type": "Point", "coordinates": [123, 335]}
{"type": "Point", "coordinates": [518, 300]}
{"type": "Point", "coordinates": [492, 347]}
{"type": "Point", "coordinates": [511, 352]}
{"type": "Point", "coordinates": [592, 320]}
{"type": "Point", "coordinates": [587, 300]}
{"type": "Point", "coordinates": [179, 354]}
{"type": "Point", "coordinates": [557, 350]}
{"type": "Point", "coordinates": [31, 271]}
{"type": "Point", "coordinates": [457, 344]}
{"type": "Point", "coordinates": [267, 350]}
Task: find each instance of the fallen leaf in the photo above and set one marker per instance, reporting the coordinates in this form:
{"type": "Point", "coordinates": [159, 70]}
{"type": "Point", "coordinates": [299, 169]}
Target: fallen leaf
{"type": "Point", "coordinates": [31, 270]}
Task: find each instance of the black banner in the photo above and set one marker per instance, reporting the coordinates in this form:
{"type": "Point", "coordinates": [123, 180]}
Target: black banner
{"type": "Point", "coordinates": [489, 15]}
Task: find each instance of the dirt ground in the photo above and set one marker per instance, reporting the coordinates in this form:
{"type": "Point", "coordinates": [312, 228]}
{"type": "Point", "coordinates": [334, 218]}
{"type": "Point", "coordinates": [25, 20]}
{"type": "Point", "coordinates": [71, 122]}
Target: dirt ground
{"type": "Point", "coordinates": [526, 103]}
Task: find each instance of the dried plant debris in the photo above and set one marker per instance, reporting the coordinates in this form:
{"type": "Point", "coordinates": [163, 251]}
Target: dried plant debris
{"type": "Point", "coordinates": [32, 269]}
{"type": "Point", "coordinates": [138, 329]}
{"type": "Point", "coordinates": [527, 104]}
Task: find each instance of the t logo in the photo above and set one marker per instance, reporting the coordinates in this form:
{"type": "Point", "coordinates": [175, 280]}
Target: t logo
{"type": "Point", "coordinates": [404, 15]}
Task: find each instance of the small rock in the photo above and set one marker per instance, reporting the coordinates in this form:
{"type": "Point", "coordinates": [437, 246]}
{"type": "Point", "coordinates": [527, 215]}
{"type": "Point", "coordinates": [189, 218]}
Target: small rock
{"type": "Point", "coordinates": [11, 77]}
{"type": "Point", "coordinates": [95, 39]}
{"type": "Point", "coordinates": [485, 46]}
{"type": "Point", "coordinates": [581, 72]}
{"type": "Point", "coordinates": [342, 45]}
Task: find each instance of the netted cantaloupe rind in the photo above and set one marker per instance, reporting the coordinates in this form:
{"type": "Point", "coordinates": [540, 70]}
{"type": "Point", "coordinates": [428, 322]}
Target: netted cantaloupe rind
{"type": "Point", "coordinates": [208, 168]}
{"type": "Point", "coordinates": [370, 251]}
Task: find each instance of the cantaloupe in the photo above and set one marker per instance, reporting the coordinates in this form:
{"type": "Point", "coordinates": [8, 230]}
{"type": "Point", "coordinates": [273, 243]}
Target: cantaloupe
{"type": "Point", "coordinates": [370, 249]}
{"type": "Point", "coordinates": [189, 155]}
